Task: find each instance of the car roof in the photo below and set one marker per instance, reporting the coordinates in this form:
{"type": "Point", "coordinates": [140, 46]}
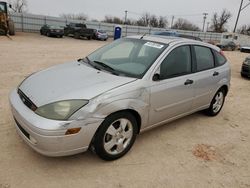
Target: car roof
{"type": "Point", "coordinates": [170, 39]}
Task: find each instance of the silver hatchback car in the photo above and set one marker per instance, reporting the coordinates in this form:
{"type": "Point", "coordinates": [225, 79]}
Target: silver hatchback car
{"type": "Point", "coordinates": [122, 89]}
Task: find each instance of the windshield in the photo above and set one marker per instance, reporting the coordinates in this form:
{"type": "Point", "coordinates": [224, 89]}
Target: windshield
{"type": "Point", "coordinates": [101, 31]}
{"type": "Point", "coordinates": [55, 27]}
{"type": "Point", "coordinates": [131, 57]}
{"type": "Point", "coordinates": [2, 7]}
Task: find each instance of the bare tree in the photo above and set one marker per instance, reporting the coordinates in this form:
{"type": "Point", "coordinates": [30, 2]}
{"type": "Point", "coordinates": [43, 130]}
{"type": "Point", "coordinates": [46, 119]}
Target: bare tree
{"type": "Point", "coordinates": [113, 19]}
{"type": "Point", "coordinates": [19, 6]}
{"type": "Point", "coordinates": [184, 24]}
{"type": "Point", "coordinates": [163, 22]}
{"type": "Point", "coordinates": [219, 22]}
{"type": "Point", "coordinates": [144, 20]}
{"type": "Point", "coordinates": [245, 29]}
{"type": "Point", "coordinates": [79, 16]}
{"type": "Point", "coordinates": [153, 21]}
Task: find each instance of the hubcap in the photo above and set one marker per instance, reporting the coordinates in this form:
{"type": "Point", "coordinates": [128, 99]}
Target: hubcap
{"type": "Point", "coordinates": [219, 98]}
{"type": "Point", "coordinates": [118, 136]}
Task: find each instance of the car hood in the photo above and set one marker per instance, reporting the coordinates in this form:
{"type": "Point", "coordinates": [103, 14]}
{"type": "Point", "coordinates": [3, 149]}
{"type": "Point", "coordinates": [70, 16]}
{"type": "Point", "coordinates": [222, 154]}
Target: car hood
{"type": "Point", "coordinates": [69, 81]}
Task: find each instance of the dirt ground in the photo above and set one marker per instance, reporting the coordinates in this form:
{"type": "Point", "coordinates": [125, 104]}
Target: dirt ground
{"type": "Point", "coordinates": [195, 151]}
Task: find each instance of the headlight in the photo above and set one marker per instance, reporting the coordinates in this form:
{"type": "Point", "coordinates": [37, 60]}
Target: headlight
{"type": "Point", "coordinates": [61, 110]}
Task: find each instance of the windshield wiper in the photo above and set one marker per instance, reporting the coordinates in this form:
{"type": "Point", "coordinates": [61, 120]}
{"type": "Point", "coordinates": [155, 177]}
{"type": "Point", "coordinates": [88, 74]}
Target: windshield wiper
{"type": "Point", "coordinates": [88, 62]}
{"type": "Point", "coordinates": [107, 67]}
{"type": "Point", "coordinates": [104, 65]}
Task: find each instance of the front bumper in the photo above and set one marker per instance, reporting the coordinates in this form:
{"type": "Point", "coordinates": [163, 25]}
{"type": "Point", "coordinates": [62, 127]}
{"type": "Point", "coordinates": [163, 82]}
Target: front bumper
{"type": "Point", "coordinates": [48, 136]}
{"type": "Point", "coordinates": [102, 37]}
{"type": "Point", "coordinates": [61, 33]}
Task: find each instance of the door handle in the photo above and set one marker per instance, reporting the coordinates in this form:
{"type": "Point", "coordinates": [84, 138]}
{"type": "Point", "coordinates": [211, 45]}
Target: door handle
{"type": "Point", "coordinates": [188, 82]}
{"type": "Point", "coordinates": [216, 73]}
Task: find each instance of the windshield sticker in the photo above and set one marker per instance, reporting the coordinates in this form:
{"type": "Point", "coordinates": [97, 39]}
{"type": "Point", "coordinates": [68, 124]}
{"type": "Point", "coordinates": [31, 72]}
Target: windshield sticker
{"type": "Point", "coordinates": [154, 45]}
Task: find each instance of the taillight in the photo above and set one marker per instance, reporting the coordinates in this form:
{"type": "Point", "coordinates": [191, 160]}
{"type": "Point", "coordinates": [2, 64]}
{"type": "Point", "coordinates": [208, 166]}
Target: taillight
{"type": "Point", "coordinates": [222, 53]}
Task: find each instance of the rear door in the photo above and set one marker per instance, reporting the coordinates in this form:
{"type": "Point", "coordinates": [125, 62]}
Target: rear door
{"type": "Point", "coordinates": [172, 95]}
{"type": "Point", "coordinates": [207, 76]}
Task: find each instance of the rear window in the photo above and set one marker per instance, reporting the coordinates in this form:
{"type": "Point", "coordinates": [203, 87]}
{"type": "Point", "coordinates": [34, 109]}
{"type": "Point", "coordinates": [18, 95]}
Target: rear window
{"type": "Point", "coordinates": [220, 59]}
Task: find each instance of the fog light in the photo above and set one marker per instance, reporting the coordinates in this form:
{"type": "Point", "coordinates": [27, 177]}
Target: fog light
{"type": "Point", "coordinates": [73, 131]}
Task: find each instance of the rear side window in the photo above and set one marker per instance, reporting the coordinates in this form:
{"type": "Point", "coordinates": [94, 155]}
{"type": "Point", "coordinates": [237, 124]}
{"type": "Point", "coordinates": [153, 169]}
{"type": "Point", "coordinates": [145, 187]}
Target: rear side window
{"type": "Point", "coordinates": [204, 58]}
{"type": "Point", "coordinates": [220, 59]}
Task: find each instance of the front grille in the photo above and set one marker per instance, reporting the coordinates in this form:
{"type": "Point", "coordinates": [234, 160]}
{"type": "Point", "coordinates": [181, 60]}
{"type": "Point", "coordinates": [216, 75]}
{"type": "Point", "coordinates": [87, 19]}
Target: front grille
{"type": "Point", "coordinates": [22, 129]}
{"type": "Point", "coordinates": [26, 100]}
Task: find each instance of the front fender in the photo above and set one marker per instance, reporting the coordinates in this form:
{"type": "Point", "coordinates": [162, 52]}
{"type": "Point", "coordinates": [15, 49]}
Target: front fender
{"type": "Point", "coordinates": [102, 106]}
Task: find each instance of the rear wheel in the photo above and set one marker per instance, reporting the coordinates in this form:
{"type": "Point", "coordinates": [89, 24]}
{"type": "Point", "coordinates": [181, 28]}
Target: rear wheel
{"type": "Point", "coordinates": [77, 35]}
{"type": "Point", "coordinates": [217, 103]}
{"type": "Point", "coordinates": [115, 136]}
{"type": "Point", "coordinates": [48, 34]}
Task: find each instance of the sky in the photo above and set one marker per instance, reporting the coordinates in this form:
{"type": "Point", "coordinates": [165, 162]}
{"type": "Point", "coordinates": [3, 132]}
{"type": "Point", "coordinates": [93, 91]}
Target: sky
{"type": "Point", "coordinates": [97, 9]}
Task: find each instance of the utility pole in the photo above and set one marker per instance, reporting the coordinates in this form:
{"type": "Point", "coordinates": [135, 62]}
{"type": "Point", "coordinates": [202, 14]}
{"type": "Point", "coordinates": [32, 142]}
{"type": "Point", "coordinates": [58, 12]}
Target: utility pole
{"type": "Point", "coordinates": [126, 15]}
{"type": "Point", "coordinates": [204, 20]}
{"type": "Point", "coordinates": [172, 22]}
{"type": "Point", "coordinates": [240, 9]}
{"type": "Point", "coordinates": [208, 25]}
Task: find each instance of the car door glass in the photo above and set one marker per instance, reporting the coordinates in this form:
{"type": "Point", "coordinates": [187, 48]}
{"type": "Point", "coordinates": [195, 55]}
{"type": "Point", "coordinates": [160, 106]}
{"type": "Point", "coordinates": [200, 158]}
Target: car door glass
{"type": "Point", "coordinates": [177, 63]}
{"type": "Point", "coordinates": [204, 58]}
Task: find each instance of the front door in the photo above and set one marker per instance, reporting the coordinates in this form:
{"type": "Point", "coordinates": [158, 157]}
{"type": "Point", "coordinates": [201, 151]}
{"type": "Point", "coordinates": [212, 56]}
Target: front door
{"type": "Point", "coordinates": [172, 95]}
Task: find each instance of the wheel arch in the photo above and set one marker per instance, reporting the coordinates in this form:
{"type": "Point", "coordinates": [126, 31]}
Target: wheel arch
{"type": "Point", "coordinates": [225, 88]}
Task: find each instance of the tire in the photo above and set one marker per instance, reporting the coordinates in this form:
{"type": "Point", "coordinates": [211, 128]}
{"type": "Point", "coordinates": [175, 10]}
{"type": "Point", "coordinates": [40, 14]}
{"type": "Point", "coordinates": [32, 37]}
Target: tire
{"type": "Point", "coordinates": [216, 103]}
{"type": "Point", "coordinates": [48, 34]}
{"type": "Point", "coordinates": [89, 38]}
{"type": "Point", "coordinates": [77, 35]}
{"type": "Point", "coordinates": [115, 136]}
{"type": "Point", "coordinates": [11, 28]}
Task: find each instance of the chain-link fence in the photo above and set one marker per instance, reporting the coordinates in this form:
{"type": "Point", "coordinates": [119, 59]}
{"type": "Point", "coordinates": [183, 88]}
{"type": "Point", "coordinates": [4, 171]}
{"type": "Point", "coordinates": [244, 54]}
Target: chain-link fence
{"type": "Point", "coordinates": [33, 23]}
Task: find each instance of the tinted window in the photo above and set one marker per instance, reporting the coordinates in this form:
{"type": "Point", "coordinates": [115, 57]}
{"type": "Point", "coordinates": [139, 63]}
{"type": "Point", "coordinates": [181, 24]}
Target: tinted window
{"type": "Point", "coordinates": [204, 58]}
{"type": "Point", "coordinates": [177, 63]}
{"type": "Point", "coordinates": [220, 59]}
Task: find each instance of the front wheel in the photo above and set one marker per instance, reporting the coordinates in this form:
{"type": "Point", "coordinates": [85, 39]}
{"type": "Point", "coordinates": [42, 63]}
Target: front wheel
{"type": "Point", "coordinates": [115, 136]}
{"type": "Point", "coordinates": [217, 103]}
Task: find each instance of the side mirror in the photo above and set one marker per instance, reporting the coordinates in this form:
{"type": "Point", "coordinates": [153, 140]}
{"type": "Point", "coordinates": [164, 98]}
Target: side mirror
{"type": "Point", "coordinates": [156, 77]}
{"type": "Point", "coordinates": [10, 6]}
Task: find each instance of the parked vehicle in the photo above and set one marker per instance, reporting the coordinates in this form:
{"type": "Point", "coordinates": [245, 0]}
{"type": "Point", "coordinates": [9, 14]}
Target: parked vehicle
{"type": "Point", "coordinates": [100, 34]}
{"type": "Point", "coordinates": [175, 34]}
{"type": "Point", "coordinates": [228, 46]}
{"type": "Point", "coordinates": [190, 37]}
{"type": "Point", "coordinates": [242, 42]}
{"type": "Point", "coordinates": [78, 30]}
{"type": "Point", "coordinates": [245, 68]}
{"type": "Point", "coordinates": [245, 49]}
{"type": "Point", "coordinates": [6, 23]}
{"type": "Point", "coordinates": [120, 90]}
{"type": "Point", "coordinates": [166, 33]}
{"type": "Point", "coordinates": [51, 30]}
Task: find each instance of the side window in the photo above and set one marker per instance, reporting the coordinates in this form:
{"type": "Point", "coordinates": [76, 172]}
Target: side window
{"type": "Point", "coordinates": [177, 63]}
{"type": "Point", "coordinates": [220, 59]}
{"type": "Point", "coordinates": [204, 58]}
